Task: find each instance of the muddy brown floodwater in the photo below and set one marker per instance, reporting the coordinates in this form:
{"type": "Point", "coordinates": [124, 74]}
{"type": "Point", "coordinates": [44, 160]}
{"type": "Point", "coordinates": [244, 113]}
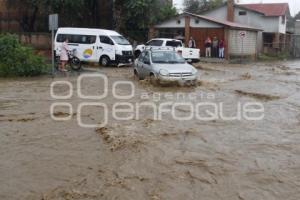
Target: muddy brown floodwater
{"type": "Point", "coordinates": [43, 159]}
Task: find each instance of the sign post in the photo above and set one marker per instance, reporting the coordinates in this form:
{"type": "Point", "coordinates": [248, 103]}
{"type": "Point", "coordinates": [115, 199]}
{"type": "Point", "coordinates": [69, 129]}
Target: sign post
{"type": "Point", "coordinates": [53, 26]}
{"type": "Point", "coordinates": [242, 35]}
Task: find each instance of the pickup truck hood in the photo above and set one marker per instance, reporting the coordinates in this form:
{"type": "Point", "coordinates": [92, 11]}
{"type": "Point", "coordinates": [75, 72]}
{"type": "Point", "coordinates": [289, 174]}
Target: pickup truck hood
{"type": "Point", "coordinates": [175, 68]}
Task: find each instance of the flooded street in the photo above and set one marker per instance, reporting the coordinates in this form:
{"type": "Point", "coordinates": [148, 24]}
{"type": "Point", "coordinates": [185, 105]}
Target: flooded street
{"type": "Point", "coordinates": [145, 158]}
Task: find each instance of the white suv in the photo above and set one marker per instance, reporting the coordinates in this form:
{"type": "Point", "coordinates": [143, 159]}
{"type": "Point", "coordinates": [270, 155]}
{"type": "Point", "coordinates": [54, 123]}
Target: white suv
{"type": "Point", "coordinates": [187, 53]}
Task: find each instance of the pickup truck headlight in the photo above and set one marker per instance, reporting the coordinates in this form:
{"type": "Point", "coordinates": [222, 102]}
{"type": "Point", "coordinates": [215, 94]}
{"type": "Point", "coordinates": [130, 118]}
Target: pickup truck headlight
{"type": "Point", "coordinates": [194, 71]}
{"type": "Point", "coordinates": [164, 72]}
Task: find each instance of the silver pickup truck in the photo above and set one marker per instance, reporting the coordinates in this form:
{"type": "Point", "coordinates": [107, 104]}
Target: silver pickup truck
{"type": "Point", "coordinates": [187, 53]}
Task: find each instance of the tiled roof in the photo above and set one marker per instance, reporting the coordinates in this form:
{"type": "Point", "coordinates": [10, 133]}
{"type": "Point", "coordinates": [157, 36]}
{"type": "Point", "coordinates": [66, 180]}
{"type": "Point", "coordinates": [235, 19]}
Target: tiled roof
{"type": "Point", "coordinates": [225, 23]}
{"type": "Point", "coordinates": [268, 9]}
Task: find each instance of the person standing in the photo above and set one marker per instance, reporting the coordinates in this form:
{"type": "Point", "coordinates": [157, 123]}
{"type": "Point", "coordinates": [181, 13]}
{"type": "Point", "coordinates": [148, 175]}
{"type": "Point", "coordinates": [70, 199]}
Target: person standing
{"type": "Point", "coordinates": [64, 55]}
{"type": "Point", "coordinates": [192, 43]}
{"type": "Point", "coordinates": [208, 47]}
{"type": "Point", "coordinates": [221, 49]}
{"type": "Point", "coordinates": [215, 47]}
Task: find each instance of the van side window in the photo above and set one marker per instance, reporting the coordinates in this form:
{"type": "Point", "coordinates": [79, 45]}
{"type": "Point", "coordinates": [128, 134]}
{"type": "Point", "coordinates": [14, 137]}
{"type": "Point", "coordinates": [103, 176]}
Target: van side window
{"type": "Point", "coordinates": [77, 39]}
{"type": "Point", "coordinates": [106, 40]}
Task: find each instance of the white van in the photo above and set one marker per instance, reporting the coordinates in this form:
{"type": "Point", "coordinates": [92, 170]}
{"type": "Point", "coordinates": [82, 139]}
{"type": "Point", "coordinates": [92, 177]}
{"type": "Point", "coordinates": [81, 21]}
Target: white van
{"type": "Point", "coordinates": [96, 45]}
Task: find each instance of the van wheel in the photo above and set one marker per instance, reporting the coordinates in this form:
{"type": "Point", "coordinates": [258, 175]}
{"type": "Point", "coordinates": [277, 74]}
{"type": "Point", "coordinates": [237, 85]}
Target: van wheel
{"type": "Point", "coordinates": [104, 61]}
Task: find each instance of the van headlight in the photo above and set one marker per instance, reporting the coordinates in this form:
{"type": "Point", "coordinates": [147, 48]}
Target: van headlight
{"type": "Point", "coordinates": [164, 72]}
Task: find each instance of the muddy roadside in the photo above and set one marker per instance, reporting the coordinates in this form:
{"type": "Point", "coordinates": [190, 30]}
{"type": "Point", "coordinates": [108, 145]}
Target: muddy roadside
{"type": "Point", "coordinates": [155, 159]}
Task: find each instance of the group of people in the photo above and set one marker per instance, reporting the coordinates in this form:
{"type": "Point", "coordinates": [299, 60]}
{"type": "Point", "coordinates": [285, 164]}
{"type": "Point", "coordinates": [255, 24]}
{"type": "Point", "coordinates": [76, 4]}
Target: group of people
{"type": "Point", "coordinates": [213, 47]}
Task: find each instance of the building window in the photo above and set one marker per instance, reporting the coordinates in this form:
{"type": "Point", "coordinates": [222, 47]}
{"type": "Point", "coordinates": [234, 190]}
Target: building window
{"type": "Point", "coordinates": [242, 13]}
{"type": "Point", "coordinates": [178, 21]}
{"type": "Point", "coordinates": [283, 19]}
{"type": "Point", "coordinates": [197, 21]}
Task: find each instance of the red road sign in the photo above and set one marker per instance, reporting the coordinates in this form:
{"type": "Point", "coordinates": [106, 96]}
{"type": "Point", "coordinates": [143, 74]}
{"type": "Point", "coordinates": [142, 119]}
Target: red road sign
{"type": "Point", "coordinates": [242, 34]}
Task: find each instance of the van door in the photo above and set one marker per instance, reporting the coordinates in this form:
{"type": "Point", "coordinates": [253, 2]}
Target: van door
{"type": "Point", "coordinates": [106, 48]}
{"type": "Point", "coordinates": [85, 47]}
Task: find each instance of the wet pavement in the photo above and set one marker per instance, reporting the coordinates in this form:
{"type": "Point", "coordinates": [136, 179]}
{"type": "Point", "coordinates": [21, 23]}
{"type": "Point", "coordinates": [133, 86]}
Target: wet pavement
{"type": "Point", "coordinates": [145, 158]}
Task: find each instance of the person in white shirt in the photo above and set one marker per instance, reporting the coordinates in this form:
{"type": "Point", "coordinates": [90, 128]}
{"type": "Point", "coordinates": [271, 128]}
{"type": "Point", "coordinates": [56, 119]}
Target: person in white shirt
{"type": "Point", "coordinates": [64, 55]}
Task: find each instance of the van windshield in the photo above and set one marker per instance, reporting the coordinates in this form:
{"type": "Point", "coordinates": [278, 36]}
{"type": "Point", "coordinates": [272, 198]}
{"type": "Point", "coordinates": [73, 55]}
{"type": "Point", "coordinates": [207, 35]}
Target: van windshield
{"type": "Point", "coordinates": [120, 40]}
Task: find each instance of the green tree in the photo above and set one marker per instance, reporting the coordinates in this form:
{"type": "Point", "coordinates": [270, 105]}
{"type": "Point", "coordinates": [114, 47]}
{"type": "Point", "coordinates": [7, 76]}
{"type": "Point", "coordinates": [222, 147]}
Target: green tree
{"type": "Point", "coordinates": [34, 13]}
{"type": "Point", "coordinates": [19, 60]}
{"type": "Point", "coordinates": [134, 17]}
{"type": "Point", "coordinates": [200, 6]}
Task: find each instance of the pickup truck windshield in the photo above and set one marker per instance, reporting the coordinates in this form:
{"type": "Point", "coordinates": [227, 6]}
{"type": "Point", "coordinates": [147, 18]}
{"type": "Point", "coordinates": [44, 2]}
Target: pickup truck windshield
{"type": "Point", "coordinates": [120, 40]}
{"type": "Point", "coordinates": [170, 57]}
{"type": "Point", "coordinates": [174, 44]}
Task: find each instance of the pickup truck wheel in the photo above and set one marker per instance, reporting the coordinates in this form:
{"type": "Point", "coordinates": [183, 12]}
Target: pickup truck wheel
{"type": "Point", "coordinates": [137, 53]}
{"type": "Point", "coordinates": [104, 61]}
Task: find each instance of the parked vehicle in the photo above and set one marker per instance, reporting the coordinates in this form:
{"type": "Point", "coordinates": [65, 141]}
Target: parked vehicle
{"type": "Point", "coordinates": [187, 53]}
{"type": "Point", "coordinates": [96, 45]}
{"type": "Point", "coordinates": [164, 65]}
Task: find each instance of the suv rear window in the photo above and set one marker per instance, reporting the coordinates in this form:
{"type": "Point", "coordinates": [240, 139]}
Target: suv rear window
{"type": "Point", "coordinates": [155, 43]}
{"type": "Point", "coordinates": [173, 44]}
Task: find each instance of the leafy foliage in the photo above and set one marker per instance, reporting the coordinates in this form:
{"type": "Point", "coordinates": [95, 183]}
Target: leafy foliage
{"type": "Point", "coordinates": [199, 6]}
{"type": "Point", "coordinates": [79, 13]}
{"type": "Point", "coordinates": [133, 17]}
{"type": "Point", "coordinates": [18, 60]}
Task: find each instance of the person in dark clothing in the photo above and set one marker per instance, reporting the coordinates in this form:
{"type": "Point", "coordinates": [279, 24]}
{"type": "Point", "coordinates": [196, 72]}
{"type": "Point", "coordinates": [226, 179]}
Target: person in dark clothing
{"type": "Point", "coordinates": [221, 49]}
{"type": "Point", "coordinates": [215, 47]}
{"type": "Point", "coordinates": [192, 43]}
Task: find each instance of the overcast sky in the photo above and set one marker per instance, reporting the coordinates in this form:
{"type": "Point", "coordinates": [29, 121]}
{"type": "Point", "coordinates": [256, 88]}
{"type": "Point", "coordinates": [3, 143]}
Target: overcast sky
{"type": "Point", "coordinates": [294, 4]}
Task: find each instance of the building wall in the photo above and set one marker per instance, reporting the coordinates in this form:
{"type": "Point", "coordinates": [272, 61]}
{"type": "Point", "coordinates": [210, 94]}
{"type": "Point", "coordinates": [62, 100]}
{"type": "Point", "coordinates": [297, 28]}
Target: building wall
{"type": "Point", "coordinates": [297, 27]}
{"type": "Point", "coordinates": [200, 35]}
{"type": "Point", "coordinates": [2, 5]}
{"type": "Point", "coordinates": [200, 23]}
{"type": "Point", "coordinates": [268, 24]}
{"type": "Point", "coordinates": [282, 26]}
{"type": "Point", "coordinates": [219, 13]}
{"type": "Point", "coordinates": [173, 23]}
{"type": "Point", "coordinates": [246, 47]}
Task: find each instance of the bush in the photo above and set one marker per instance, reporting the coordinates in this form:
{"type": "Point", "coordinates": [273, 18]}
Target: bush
{"type": "Point", "coordinates": [18, 60]}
